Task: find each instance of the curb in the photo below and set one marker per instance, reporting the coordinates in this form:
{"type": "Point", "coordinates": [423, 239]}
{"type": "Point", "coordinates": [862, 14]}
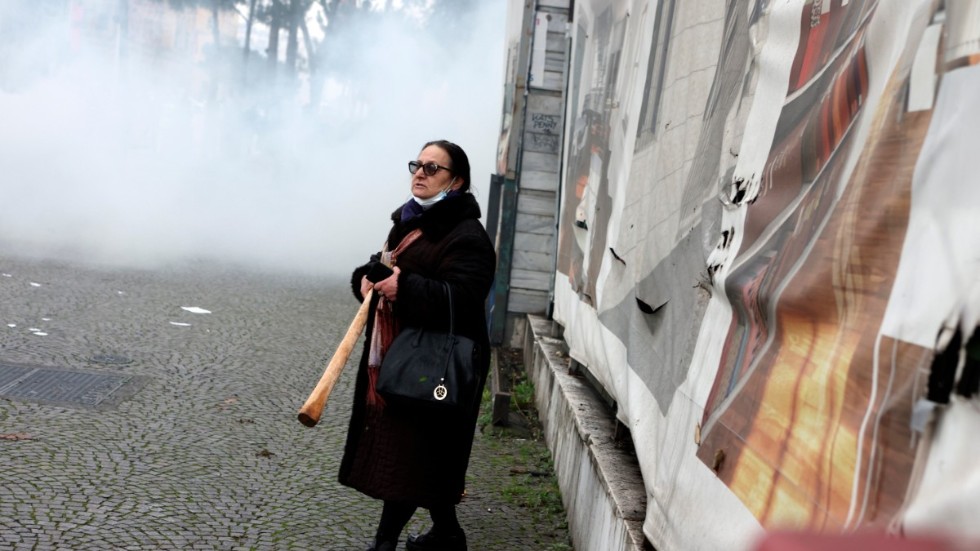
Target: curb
{"type": "Point", "coordinates": [601, 484]}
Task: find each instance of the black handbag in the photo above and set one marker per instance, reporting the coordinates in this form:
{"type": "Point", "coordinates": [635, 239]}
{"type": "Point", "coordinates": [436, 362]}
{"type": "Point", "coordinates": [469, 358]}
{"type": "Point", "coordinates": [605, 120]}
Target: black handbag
{"type": "Point", "coordinates": [430, 368]}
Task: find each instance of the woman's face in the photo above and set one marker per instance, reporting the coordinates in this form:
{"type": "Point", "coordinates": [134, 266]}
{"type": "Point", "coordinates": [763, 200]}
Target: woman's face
{"type": "Point", "coordinates": [425, 186]}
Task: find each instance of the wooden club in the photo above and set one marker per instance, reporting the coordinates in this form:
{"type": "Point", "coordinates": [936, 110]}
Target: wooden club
{"type": "Point", "coordinates": [309, 414]}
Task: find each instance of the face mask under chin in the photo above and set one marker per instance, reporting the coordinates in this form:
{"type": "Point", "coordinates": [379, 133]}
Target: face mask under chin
{"type": "Point", "coordinates": [431, 200]}
{"type": "Point", "coordinates": [426, 203]}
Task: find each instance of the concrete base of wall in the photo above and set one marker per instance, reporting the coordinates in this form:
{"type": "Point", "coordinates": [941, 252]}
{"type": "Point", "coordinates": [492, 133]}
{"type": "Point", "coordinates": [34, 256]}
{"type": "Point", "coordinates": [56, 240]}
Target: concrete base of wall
{"type": "Point", "coordinates": [600, 480]}
{"type": "Point", "coordinates": [515, 328]}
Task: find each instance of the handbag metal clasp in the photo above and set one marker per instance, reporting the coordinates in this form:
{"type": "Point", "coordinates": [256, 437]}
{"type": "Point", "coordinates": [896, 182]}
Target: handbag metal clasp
{"type": "Point", "coordinates": [440, 392]}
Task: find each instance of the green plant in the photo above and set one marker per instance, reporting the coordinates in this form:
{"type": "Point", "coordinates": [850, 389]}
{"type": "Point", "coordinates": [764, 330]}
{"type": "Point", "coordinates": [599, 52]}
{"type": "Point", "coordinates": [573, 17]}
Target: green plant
{"type": "Point", "coordinates": [532, 484]}
{"type": "Point", "coordinates": [523, 394]}
{"type": "Point", "coordinates": [486, 414]}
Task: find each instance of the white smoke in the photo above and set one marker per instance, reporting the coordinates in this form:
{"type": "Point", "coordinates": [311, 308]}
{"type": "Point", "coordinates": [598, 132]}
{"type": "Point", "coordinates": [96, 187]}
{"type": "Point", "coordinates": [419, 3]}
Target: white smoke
{"type": "Point", "coordinates": [105, 161]}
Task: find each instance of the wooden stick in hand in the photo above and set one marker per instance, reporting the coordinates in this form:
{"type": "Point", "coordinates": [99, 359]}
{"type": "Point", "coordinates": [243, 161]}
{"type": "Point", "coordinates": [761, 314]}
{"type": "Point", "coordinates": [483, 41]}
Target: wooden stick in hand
{"type": "Point", "coordinates": [309, 414]}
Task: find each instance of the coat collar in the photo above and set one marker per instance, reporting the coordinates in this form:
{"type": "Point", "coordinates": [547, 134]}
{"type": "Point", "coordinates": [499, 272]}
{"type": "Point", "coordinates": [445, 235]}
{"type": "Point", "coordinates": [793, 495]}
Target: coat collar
{"type": "Point", "coordinates": [439, 219]}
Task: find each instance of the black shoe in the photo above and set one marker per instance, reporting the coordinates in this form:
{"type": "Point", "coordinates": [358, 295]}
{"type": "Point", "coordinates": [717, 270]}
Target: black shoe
{"type": "Point", "coordinates": [383, 546]}
{"type": "Point", "coordinates": [437, 541]}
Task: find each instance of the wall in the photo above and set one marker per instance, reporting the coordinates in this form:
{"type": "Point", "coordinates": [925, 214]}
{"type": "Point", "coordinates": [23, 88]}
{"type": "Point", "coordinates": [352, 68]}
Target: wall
{"type": "Point", "coordinates": [530, 161]}
{"type": "Point", "coordinates": [766, 256]}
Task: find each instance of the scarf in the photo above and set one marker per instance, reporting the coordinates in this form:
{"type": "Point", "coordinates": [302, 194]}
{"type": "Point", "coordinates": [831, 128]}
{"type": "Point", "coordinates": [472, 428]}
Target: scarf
{"type": "Point", "coordinates": [385, 326]}
{"type": "Point", "coordinates": [413, 208]}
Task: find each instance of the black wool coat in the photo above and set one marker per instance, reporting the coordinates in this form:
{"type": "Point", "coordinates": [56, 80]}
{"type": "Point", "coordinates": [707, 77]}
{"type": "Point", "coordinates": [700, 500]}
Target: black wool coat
{"type": "Point", "coordinates": [405, 454]}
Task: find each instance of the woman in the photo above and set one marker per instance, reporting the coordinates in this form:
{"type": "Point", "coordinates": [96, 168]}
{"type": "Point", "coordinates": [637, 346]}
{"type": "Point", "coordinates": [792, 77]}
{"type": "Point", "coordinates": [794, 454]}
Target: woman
{"type": "Point", "coordinates": [416, 457]}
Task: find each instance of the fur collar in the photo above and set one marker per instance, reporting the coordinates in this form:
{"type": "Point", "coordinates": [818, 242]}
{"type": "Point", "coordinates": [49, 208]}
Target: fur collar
{"type": "Point", "coordinates": [439, 219]}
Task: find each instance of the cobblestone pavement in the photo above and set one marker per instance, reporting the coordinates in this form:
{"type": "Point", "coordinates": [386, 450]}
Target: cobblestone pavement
{"type": "Point", "coordinates": [200, 447]}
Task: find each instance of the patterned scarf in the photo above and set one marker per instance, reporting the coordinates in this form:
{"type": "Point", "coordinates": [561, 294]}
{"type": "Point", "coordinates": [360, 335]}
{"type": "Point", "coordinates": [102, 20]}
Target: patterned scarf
{"type": "Point", "coordinates": [385, 325]}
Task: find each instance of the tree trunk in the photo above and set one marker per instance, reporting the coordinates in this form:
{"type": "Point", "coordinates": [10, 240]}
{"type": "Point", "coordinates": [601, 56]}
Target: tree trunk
{"type": "Point", "coordinates": [310, 49]}
{"type": "Point", "coordinates": [292, 46]}
{"type": "Point", "coordinates": [246, 52]}
{"type": "Point", "coordinates": [122, 20]}
{"type": "Point", "coordinates": [215, 30]}
{"type": "Point", "coordinates": [273, 50]}
{"type": "Point", "coordinates": [316, 81]}
{"type": "Point", "coordinates": [248, 30]}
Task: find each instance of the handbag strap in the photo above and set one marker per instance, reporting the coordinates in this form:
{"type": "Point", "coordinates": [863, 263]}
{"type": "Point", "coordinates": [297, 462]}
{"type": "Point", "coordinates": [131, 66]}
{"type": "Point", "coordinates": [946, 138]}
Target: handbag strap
{"type": "Point", "coordinates": [450, 338]}
{"type": "Point", "coordinates": [449, 295]}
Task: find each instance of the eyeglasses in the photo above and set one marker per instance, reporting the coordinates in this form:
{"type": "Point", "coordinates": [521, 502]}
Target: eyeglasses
{"type": "Point", "coordinates": [430, 169]}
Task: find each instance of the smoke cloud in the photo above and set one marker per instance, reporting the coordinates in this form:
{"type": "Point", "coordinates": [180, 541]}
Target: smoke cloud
{"type": "Point", "coordinates": [110, 161]}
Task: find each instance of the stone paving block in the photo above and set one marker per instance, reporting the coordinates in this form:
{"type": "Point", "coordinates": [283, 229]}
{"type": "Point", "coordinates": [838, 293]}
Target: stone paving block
{"type": "Point", "coordinates": [207, 454]}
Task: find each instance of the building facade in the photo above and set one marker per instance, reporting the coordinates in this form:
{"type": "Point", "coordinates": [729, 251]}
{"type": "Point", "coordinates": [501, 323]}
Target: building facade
{"type": "Point", "coordinates": [762, 223]}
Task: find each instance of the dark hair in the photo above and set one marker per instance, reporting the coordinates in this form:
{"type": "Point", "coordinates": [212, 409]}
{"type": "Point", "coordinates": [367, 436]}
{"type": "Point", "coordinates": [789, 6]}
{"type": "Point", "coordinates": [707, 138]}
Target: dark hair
{"type": "Point", "coordinates": [461, 163]}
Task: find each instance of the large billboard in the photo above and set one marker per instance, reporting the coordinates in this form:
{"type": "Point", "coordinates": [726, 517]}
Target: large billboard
{"type": "Point", "coordinates": [768, 257]}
